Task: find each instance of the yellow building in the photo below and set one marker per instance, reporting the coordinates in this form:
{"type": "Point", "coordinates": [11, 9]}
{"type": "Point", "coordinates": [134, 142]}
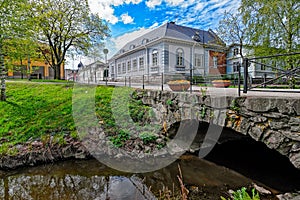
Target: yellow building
{"type": "Point", "coordinates": [38, 69]}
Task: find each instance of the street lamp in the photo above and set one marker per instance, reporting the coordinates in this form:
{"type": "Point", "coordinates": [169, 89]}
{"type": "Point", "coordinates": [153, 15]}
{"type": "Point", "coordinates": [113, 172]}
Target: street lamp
{"type": "Point", "coordinates": [105, 51]}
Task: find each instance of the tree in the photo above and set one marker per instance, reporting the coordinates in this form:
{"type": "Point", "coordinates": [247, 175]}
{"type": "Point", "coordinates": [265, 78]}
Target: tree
{"type": "Point", "coordinates": [269, 27]}
{"type": "Point", "coordinates": [14, 23]}
{"type": "Point", "coordinates": [65, 24]}
{"type": "Point", "coordinates": [232, 30]}
{"type": "Point", "coordinates": [273, 23]}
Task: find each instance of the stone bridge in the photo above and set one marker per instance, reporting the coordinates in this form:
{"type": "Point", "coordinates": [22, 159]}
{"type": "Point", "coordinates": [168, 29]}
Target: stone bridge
{"type": "Point", "coordinates": [275, 121]}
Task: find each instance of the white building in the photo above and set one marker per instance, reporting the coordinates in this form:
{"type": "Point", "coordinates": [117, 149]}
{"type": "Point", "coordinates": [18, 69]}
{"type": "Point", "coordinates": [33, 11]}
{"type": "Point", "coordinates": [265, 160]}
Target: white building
{"type": "Point", "coordinates": [255, 70]}
{"type": "Point", "coordinates": [170, 49]}
{"type": "Point", "coordinates": [92, 73]}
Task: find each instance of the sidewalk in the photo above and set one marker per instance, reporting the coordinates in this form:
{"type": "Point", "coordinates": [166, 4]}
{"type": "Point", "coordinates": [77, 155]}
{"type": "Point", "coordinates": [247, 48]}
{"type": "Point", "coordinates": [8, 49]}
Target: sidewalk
{"type": "Point", "coordinates": [289, 93]}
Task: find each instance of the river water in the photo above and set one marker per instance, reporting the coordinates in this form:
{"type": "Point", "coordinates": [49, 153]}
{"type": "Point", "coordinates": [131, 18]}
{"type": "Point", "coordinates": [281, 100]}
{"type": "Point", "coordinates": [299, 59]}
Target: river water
{"type": "Point", "coordinates": [89, 179]}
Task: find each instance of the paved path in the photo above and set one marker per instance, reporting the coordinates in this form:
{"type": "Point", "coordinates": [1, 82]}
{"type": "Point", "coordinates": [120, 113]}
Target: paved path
{"type": "Point", "coordinates": [288, 93]}
{"type": "Point", "coordinates": [295, 93]}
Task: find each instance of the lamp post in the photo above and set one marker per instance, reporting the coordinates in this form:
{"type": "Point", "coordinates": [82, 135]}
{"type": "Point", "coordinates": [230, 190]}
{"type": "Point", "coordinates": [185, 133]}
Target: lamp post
{"type": "Point", "coordinates": [105, 72]}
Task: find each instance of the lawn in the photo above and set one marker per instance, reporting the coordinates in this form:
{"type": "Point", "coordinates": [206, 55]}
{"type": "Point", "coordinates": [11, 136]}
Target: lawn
{"type": "Point", "coordinates": [33, 110]}
{"type": "Point", "coordinates": [36, 111]}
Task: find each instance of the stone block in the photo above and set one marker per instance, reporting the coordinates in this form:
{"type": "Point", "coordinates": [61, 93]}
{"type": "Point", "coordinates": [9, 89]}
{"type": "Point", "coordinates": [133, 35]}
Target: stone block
{"type": "Point", "coordinates": [294, 121]}
{"type": "Point", "coordinates": [259, 104]}
{"type": "Point", "coordinates": [258, 119]}
{"type": "Point", "coordinates": [284, 107]}
{"type": "Point", "coordinates": [256, 132]}
{"type": "Point", "coordinates": [278, 125]}
{"type": "Point", "coordinates": [291, 135]}
{"type": "Point", "coordinates": [273, 139]}
{"type": "Point", "coordinates": [296, 105]}
{"type": "Point", "coordinates": [295, 128]}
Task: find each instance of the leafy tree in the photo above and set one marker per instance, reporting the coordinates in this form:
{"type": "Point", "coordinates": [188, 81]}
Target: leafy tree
{"type": "Point", "coordinates": [273, 23]}
{"type": "Point", "coordinates": [65, 24]}
{"type": "Point", "coordinates": [232, 30]}
{"type": "Point", "coordinates": [273, 27]}
{"type": "Point", "coordinates": [19, 52]}
{"type": "Point", "coordinates": [14, 24]}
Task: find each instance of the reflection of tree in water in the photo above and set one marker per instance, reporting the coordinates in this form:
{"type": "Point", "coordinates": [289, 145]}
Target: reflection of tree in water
{"type": "Point", "coordinates": [70, 187]}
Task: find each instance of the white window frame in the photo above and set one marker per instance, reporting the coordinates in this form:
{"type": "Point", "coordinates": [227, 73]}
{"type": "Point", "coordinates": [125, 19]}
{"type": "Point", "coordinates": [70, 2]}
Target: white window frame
{"type": "Point", "coordinates": [155, 58]}
{"type": "Point", "coordinates": [198, 61]}
{"type": "Point", "coordinates": [128, 65]}
{"type": "Point", "coordinates": [215, 62]}
{"type": "Point", "coordinates": [141, 62]}
{"type": "Point", "coordinates": [179, 57]}
{"type": "Point", "coordinates": [134, 64]}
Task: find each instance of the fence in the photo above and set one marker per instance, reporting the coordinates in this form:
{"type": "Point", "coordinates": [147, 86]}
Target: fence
{"type": "Point", "coordinates": [275, 71]}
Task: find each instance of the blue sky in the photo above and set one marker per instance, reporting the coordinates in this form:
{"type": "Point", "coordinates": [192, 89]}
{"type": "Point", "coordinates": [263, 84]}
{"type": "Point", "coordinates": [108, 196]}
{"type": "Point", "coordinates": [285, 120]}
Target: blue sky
{"type": "Point", "coordinates": [128, 19]}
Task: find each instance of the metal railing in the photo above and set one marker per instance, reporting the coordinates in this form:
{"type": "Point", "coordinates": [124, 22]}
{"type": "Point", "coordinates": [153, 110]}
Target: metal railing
{"type": "Point", "coordinates": [278, 74]}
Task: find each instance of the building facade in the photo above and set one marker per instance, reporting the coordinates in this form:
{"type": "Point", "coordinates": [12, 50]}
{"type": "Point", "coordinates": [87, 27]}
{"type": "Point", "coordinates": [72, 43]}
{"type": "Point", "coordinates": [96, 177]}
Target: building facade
{"type": "Point", "coordinates": [92, 73]}
{"type": "Point", "coordinates": [255, 70]}
{"type": "Point", "coordinates": [36, 68]}
{"type": "Point", "coordinates": [172, 50]}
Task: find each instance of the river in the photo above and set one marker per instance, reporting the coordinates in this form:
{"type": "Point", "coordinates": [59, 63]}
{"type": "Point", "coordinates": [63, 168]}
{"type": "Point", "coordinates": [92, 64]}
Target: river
{"type": "Point", "coordinates": [89, 179]}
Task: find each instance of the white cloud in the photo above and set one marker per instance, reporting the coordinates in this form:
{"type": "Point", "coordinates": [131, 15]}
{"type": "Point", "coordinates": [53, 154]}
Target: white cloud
{"type": "Point", "coordinates": [105, 10]}
{"type": "Point", "coordinates": [126, 19]}
{"type": "Point", "coordinates": [174, 2]}
{"type": "Point", "coordinates": [153, 3]}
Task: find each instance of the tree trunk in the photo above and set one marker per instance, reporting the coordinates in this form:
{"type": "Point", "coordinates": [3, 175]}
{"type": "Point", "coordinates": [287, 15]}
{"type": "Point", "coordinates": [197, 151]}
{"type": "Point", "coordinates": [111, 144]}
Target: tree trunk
{"type": "Point", "coordinates": [57, 72]}
{"type": "Point", "coordinates": [3, 76]}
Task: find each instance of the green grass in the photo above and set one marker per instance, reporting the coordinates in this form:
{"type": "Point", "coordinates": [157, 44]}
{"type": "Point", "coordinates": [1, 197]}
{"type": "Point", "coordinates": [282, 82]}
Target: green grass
{"type": "Point", "coordinates": [38, 110]}
{"type": "Point", "coordinates": [39, 80]}
{"type": "Point", "coordinates": [32, 110]}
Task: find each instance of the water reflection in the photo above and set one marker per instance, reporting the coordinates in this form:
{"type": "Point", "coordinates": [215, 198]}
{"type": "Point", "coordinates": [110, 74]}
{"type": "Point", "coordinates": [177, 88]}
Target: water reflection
{"type": "Point", "coordinates": [90, 179]}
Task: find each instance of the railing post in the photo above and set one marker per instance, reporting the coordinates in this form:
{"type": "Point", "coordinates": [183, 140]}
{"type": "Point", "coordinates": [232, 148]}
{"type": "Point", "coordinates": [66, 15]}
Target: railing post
{"type": "Point", "coordinates": [245, 75]}
{"type": "Point", "coordinates": [265, 79]}
{"type": "Point", "coordinates": [191, 80]}
{"type": "Point", "coordinates": [239, 79]}
{"type": "Point", "coordinates": [162, 81]}
{"type": "Point", "coordinates": [129, 81]}
{"type": "Point", "coordinates": [143, 82]}
{"type": "Point", "coordinates": [125, 81]}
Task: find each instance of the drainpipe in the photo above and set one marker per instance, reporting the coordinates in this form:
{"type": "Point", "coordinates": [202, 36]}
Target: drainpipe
{"type": "Point", "coordinates": [191, 67]}
{"type": "Point", "coordinates": [146, 63]}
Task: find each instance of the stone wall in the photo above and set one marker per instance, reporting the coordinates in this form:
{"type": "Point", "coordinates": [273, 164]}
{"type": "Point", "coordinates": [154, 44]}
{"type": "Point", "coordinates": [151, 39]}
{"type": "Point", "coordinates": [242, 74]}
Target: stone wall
{"type": "Point", "coordinates": [274, 121]}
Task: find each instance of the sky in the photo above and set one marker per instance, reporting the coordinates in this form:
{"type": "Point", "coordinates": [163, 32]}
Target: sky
{"type": "Point", "coordinates": [128, 19]}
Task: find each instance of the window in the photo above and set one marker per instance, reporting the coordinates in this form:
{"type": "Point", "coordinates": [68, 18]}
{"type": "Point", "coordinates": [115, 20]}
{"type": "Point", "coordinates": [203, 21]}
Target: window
{"type": "Point", "coordinates": [119, 69]}
{"type": "Point", "coordinates": [235, 51]}
{"type": "Point", "coordinates": [123, 67]}
{"type": "Point", "coordinates": [215, 62]}
{"type": "Point", "coordinates": [145, 40]}
{"type": "Point", "coordinates": [141, 62]}
{"type": "Point", "coordinates": [132, 46]}
{"type": "Point", "coordinates": [112, 69]}
{"type": "Point", "coordinates": [179, 57]}
{"type": "Point", "coordinates": [134, 65]}
{"type": "Point", "coordinates": [155, 58]}
{"type": "Point", "coordinates": [128, 66]}
{"type": "Point", "coordinates": [235, 66]}
{"type": "Point", "coordinates": [198, 60]}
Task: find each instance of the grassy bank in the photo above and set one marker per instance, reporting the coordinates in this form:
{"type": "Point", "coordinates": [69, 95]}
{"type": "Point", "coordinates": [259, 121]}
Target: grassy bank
{"type": "Point", "coordinates": [36, 111]}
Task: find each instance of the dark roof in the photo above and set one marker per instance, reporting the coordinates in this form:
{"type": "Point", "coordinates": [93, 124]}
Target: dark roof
{"type": "Point", "coordinates": [174, 31]}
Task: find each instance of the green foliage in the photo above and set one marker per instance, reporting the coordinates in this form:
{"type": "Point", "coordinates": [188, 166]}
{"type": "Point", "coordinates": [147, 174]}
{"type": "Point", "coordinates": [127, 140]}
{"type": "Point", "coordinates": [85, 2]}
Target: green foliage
{"type": "Point", "coordinates": [203, 111]}
{"type": "Point", "coordinates": [169, 102]}
{"type": "Point", "coordinates": [203, 92]}
{"type": "Point", "coordinates": [234, 106]}
{"type": "Point", "coordinates": [33, 110]}
{"type": "Point", "coordinates": [243, 195]}
{"type": "Point", "coordinates": [147, 137]}
{"type": "Point", "coordinates": [119, 139]}
{"type": "Point", "coordinates": [67, 25]}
